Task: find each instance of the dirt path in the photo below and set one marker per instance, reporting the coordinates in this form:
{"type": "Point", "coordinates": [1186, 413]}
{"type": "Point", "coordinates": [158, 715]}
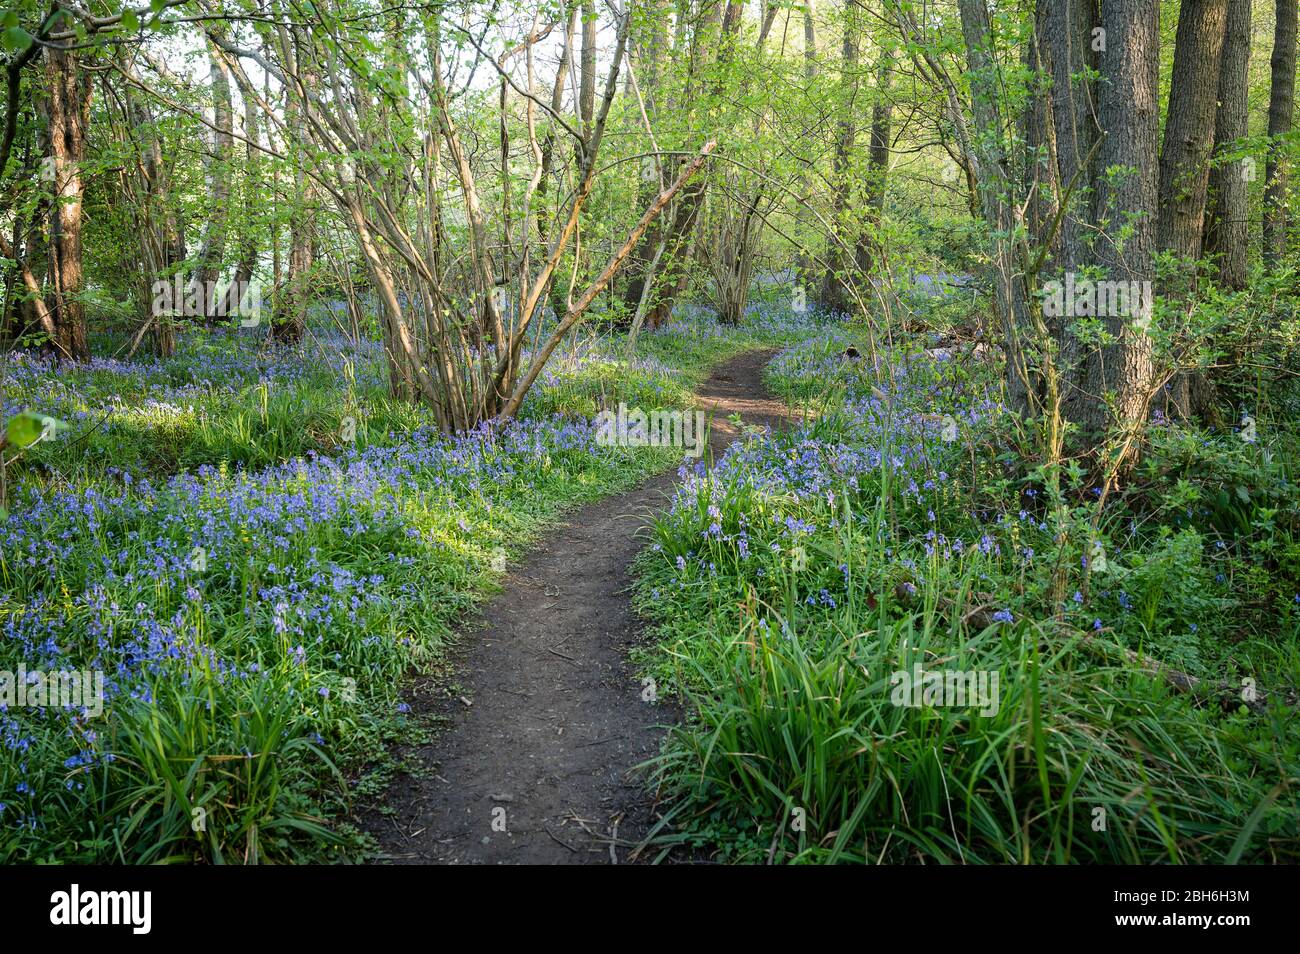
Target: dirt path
{"type": "Point", "coordinates": [555, 721]}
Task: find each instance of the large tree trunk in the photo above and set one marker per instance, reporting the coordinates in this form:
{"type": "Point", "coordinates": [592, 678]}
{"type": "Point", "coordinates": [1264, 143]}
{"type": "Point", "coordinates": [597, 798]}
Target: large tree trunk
{"type": "Point", "coordinates": [1226, 227]}
{"type": "Point", "coordinates": [1281, 103]}
{"type": "Point", "coordinates": [67, 105]}
{"type": "Point", "coordinates": [1185, 158]}
{"type": "Point", "coordinates": [1189, 137]}
{"type": "Point", "coordinates": [1038, 176]}
{"type": "Point", "coordinates": [1120, 373]}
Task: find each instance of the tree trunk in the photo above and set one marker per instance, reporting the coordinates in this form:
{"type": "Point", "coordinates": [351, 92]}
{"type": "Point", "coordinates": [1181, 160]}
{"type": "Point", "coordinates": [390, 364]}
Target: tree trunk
{"type": "Point", "coordinates": [1038, 175]}
{"type": "Point", "coordinates": [587, 99]}
{"type": "Point", "coordinates": [1281, 103]}
{"type": "Point", "coordinates": [1072, 55]}
{"type": "Point", "coordinates": [219, 167]}
{"type": "Point", "coordinates": [237, 296]}
{"type": "Point", "coordinates": [1120, 373]}
{"type": "Point", "coordinates": [1189, 137]}
{"type": "Point", "coordinates": [1226, 227]}
{"type": "Point", "coordinates": [1185, 159]}
{"type": "Point", "coordinates": [805, 263]}
{"type": "Point", "coordinates": [674, 273]}
{"type": "Point", "coordinates": [877, 179]}
{"type": "Point", "coordinates": [650, 67]}
{"type": "Point", "coordinates": [995, 193]}
{"type": "Point", "coordinates": [289, 322]}
{"type": "Point", "coordinates": [548, 141]}
{"type": "Point", "coordinates": [163, 247]}
{"type": "Point", "coordinates": [67, 105]}
{"type": "Point", "coordinates": [834, 295]}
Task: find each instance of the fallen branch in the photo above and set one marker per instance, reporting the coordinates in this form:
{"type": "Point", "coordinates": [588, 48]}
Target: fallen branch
{"type": "Point", "coordinates": [981, 616]}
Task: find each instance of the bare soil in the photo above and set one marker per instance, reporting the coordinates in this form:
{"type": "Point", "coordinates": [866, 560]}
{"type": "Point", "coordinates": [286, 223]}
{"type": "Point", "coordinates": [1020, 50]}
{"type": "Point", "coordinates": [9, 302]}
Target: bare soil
{"type": "Point", "coordinates": [546, 723]}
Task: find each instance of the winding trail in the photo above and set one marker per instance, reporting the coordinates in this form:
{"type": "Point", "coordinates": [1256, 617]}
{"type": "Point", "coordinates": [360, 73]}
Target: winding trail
{"type": "Point", "coordinates": [555, 722]}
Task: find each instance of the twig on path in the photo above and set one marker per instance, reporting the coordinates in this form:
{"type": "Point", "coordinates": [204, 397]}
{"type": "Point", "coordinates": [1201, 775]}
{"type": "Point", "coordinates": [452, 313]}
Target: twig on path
{"type": "Point", "coordinates": [559, 840]}
{"type": "Point", "coordinates": [600, 837]}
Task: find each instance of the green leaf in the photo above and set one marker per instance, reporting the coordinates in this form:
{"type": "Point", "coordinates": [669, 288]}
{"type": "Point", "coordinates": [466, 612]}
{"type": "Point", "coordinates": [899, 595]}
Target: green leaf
{"type": "Point", "coordinates": [15, 38]}
{"type": "Point", "coordinates": [130, 21]}
{"type": "Point", "coordinates": [1252, 822]}
{"type": "Point", "coordinates": [29, 427]}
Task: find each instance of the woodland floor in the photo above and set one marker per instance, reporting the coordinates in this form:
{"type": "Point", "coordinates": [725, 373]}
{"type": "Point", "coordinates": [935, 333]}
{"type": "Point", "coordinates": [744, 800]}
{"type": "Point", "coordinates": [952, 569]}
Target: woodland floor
{"type": "Point", "coordinates": [547, 720]}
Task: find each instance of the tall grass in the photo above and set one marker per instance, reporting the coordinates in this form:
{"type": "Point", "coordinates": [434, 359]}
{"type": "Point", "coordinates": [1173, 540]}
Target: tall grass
{"type": "Point", "coordinates": [257, 547]}
{"type": "Point", "coordinates": [789, 585]}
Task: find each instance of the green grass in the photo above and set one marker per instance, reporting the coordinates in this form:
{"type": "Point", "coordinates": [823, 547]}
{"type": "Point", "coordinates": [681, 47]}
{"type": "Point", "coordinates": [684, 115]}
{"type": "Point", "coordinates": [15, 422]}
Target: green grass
{"type": "Point", "coordinates": [259, 586]}
{"type": "Point", "coordinates": [790, 585]}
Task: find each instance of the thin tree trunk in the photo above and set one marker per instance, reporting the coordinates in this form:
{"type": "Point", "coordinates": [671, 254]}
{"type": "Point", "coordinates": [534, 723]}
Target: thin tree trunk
{"type": "Point", "coordinates": [650, 67]}
{"type": "Point", "coordinates": [674, 270]}
{"type": "Point", "coordinates": [1072, 52]}
{"type": "Point", "coordinates": [587, 99]}
{"type": "Point", "coordinates": [834, 295]}
{"type": "Point", "coordinates": [805, 261]}
{"type": "Point", "coordinates": [548, 141]}
{"type": "Point", "coordinates": [236, 298]}
{"type": "Point", "coordinates": [219, 167]}
{"type": "Point", "coordinates": [870, 248]}
{"type": "Point", "coordinates": [995, 192]}
{"type": "Point", "coordinates": [164, 246]}
{"type": "Point", "coordinates": [289, 322]}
